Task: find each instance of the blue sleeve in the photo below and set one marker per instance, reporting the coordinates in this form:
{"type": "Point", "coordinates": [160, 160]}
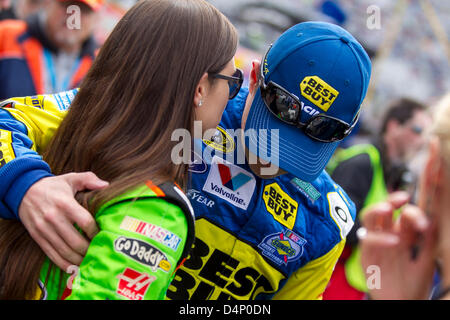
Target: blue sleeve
{"type": "Point", "coordinates": [16, 178]}
{"type": "Point", "coordinates": [27, 125]}
{"type": "Point", "coordinates": [20, 166]}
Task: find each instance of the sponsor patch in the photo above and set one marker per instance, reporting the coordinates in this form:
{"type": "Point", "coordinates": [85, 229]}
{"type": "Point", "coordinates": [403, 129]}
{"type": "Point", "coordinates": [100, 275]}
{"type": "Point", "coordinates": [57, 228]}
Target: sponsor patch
{"type": "Point", "coordinates": [306, 188]}
{"type": "Point", "coordinates": [340, 213]}
{"type": "Point", "coordinates": [221, 141]}
{"type": "Point", "coordinates": [195, 195]}
{"type": "Point", "coordinates": [151, 231]}
{"type": "Point", "coordinates": [133, 285]}
{"type": "Point", "coordinates": [35, 101]}
{"type": "Point", "coordinates": [280, 205]}
{"type": "Point", "coordinates": [143, 253]}
{"type": "Point", "coordinates": [320, 93]}
{"type": "Point", "coordinates": [197, 165]}
{"type": "Point", "coordinates": [64, 99]}
{"type": "Point", "coordinates": [283, 247]}
{"type": "Point", "coordinates": [230, 182]}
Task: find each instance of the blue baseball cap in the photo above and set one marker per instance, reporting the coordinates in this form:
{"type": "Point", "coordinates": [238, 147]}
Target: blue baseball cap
{"type": "Point", "coordinates": [329, 71]}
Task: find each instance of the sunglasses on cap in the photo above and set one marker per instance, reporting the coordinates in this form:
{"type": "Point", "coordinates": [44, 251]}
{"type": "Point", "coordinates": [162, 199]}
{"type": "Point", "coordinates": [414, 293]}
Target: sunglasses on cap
{"type": "Point", "coordinates": [234, 82]}
{"type": "Point", "coordinates": [288, 108]}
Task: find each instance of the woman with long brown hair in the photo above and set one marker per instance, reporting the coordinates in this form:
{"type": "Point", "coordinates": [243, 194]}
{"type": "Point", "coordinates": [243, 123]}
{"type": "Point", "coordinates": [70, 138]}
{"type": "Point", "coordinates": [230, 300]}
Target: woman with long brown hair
{"type": "Point", "coordinates": [163, 66]}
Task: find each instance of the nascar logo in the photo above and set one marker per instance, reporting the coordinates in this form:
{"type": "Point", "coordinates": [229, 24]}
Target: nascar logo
{"type": "Point", "coordinates": [222, 141]}
{"type": "Point", "coordinates": [151, 231]}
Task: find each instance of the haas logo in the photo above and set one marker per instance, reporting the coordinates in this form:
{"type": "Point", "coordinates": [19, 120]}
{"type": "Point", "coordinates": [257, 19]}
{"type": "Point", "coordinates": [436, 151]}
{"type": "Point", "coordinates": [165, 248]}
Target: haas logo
{"type": "Point", "coordinates": [133, 285]}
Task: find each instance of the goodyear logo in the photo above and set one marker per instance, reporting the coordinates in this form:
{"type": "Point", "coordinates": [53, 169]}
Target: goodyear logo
{"type": "Point", "coordinates": [320, 93]}
{"type": "Point", "coordinates": [221, 141]}
{"type": "Point", "coordinates": [280, 205]}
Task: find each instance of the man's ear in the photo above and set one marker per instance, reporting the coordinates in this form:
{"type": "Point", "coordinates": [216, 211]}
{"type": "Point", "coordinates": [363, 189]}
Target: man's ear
{"type": "Point", "coordinates": [254, 76]}
{"type": "Point", "coordinates": [201, 90]}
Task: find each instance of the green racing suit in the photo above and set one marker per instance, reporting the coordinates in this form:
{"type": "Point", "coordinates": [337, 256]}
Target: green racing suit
{"type": "Point", "coordinates": [144, 235]}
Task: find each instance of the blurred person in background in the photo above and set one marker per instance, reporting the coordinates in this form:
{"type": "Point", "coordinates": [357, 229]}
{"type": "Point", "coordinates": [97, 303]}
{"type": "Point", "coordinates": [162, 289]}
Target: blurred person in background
{"type": "Point", "coordinates": [19, 9]}
{"type": "Point", "coordinates": [6, 10]}
{"type": "Point", "coordinates": [49, 52]}
{"type": "Point", "coordinates": [26, 8]}
{"type": "Point", "coordinates": [406, 250]}
{"type": "Point", "coordinates": [368, 173]}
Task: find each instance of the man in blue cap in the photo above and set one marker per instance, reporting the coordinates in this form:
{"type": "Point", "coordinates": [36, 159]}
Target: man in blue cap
{"type": "Point", "coordinates": [260, 233]}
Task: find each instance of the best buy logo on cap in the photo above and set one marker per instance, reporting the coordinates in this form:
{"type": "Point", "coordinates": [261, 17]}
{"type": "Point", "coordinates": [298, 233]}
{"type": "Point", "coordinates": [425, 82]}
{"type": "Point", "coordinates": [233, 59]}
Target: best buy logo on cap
{"type": "Point", "coordinates": [320, 93]}
{"type": "Point", "coordinates": [280, 205]}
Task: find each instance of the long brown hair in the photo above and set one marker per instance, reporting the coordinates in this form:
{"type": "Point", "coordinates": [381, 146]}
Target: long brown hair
{"type": "Point", "coordinates": [138, 91]}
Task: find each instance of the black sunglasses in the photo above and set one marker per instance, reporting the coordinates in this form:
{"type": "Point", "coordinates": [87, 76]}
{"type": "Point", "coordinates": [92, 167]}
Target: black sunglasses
{"type": "Point", "coordinates": [288, 108]}
{"type": "Point", "coordinates": [234, 82]}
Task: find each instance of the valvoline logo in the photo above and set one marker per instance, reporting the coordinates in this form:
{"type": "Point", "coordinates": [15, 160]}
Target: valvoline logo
{"type": "Point", "coordinates": [233, 183]}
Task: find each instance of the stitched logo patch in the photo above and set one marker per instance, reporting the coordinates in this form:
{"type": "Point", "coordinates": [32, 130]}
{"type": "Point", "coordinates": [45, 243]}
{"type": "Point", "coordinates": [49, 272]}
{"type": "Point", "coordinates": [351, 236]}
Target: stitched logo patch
{"type": "Point", "coordinates": [230, 182]}
{"type": "Point", "coordinates": [283, 247]}
{"type": "Point", "coordinates": [280, 205]}
{"type": "Point", "coordinates": [320, 93]}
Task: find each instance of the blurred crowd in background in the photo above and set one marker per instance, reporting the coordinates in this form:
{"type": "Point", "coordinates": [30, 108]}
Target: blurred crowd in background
{"type": "Point", "coordinates": [409, 39]}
